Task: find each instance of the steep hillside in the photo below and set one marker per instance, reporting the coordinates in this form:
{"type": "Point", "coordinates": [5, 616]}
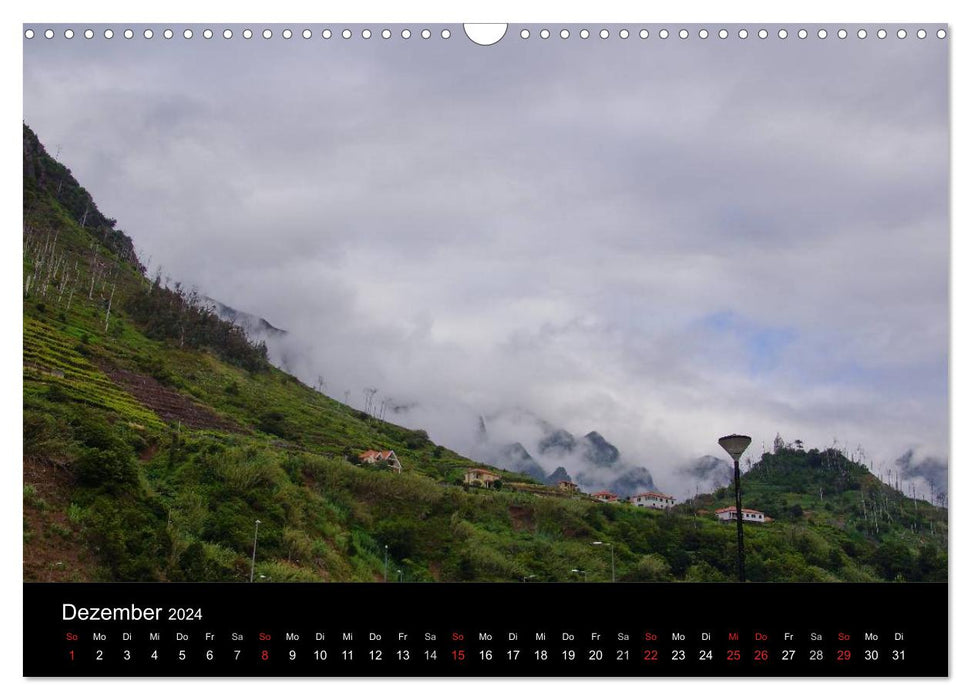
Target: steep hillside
{"type": "Point", "coordinates": [156, 434]}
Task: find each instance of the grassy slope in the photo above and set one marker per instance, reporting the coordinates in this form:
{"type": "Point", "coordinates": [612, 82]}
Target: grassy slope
{"type": "Point", "coordinates": [117, 487]}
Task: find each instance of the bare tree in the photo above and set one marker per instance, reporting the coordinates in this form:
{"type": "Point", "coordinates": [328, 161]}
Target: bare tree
{"type": "Point", "coordinates": [71, 295]}
{"type": "Point", "coordinates": [369, 393]}
{"type": "Point", "coordinates": [108, 313]}
{"type": "Point", "coordinates": [61, 287]}
{"type": "Point", "coordinates": [94, 276]}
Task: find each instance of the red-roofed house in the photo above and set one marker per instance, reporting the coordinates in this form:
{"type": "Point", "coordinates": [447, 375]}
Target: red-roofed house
{"type": "Point", "coordinates": [480, 477]}
{"type": "Point", "coordinates": [375, 456]}
{"type": "Point", "coordinates": [748, 515]}
{"type": "Point", "coordinates": [653, 499]}
{"type": "Point", "coordinates": [605, 496]}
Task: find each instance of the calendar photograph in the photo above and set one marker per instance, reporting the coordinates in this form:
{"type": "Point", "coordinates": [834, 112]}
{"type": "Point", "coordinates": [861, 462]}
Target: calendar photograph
{"type": "Point", "coordinates": [400, 304]}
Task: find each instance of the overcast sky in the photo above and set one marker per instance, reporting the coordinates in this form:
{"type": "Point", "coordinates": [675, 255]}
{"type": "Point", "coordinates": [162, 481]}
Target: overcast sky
{"type": "Point", "coordinates": [661, 240]}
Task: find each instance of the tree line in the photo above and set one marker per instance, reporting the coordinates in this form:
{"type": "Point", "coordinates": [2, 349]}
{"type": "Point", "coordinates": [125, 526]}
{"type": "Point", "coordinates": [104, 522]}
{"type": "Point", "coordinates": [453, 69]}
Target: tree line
{"type": "Point", "coordinates": [177, 315]}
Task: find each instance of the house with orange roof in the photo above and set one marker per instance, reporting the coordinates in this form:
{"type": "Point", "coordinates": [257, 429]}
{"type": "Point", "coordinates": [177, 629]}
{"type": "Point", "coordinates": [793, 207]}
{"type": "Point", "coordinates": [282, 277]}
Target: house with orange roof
{"type": "Point", "coordinates": [605, 496]}
{"type": "Point", "coordinates": [376, 456]}
{"type": "Point", "coordinates": [480, 477]}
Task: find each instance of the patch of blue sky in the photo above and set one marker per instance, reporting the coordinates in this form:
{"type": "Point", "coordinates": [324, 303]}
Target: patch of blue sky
{"type": "Point", "coordinates": [764, 345]}
{"type": "Point", "coordinates": [927, 380]}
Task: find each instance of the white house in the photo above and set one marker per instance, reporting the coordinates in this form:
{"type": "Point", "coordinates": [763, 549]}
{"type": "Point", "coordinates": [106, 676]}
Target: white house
{"type": "Point", "coordinates": [652, 499]}
{"type": "Point", "coordinates": [374, 456]}
{"type": "Point", "coordinates": [748, 515]}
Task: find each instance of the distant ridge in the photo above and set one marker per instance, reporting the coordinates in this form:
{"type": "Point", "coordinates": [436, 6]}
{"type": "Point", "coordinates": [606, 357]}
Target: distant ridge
{"type": "Point", "coordinates": [256, 328]}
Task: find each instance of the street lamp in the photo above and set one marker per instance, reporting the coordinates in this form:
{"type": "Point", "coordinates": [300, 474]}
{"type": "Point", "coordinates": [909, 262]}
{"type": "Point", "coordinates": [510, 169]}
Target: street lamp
{"type": "Point", "coordinates": [613, 571]}
{"type": "Point", "coordinates": [735, 445]}
{"type": "Point", "coordinates": [580, 572]}
{"type": "Point", "coordinates": [385, 563]}
{"type": "Point", "coordinates": [399, 575]}
{"type": "Point", "coordinates": [526, 578]}
{"type": "Point", "coordinates": [58, 564]}
{"type": "Point", "coordinates": [252, 568]}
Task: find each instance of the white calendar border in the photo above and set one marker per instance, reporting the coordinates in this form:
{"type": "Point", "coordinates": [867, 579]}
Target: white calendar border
{"type": "Point", "coordinates": [566, 11]}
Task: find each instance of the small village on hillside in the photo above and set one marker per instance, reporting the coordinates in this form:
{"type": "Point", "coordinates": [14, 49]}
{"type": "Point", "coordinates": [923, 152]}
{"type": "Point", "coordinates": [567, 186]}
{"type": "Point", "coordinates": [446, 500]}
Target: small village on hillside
{"type": "Point", "coordinates": [479, 477]}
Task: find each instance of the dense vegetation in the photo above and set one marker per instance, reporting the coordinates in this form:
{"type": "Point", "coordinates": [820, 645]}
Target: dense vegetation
{"type": "Point", "coordinates": [44, 175]}
{"type": "Point", "coordinates": [836, 510]}
{"type": "Point", "coordinates": [174, 314]}
{"type": "Point", "coordinates": [155, 435]}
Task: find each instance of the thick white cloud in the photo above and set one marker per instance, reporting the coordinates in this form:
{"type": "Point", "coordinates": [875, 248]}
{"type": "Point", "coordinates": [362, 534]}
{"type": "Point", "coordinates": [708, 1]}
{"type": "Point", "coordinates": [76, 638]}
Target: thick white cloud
{"type": "Point", "coordinates": [661, 241]}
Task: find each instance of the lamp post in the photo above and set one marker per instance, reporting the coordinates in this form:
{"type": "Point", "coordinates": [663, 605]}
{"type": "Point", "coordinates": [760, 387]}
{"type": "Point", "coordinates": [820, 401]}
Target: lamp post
{"type": "Point", "coordinates": [58, 564]}
{"type": "Point", "coordinates": [735, 445]}
{"type": "Point", "coordinates": [580, 572]}
{"type": "Point", "coordinates": [613, 571]}
{"type": "Point", "coordinates": [526, 578]}
{"type": "Point", "coordinates": [252, 568]}
{"type": "Point", "coordinates": [385, 563]}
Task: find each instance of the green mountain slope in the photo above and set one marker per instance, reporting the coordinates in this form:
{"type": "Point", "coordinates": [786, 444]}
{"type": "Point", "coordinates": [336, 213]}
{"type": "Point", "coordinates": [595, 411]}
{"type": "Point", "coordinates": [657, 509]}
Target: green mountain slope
{"type": "Point", "coordinates": [155, 435]}
{"type": "Point", "coordinates": [835, 510]}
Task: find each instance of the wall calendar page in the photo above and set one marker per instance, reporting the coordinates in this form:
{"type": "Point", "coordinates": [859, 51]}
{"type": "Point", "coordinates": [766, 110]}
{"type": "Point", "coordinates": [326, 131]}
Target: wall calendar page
{"type": "Point", "coordinates": [375, 349]}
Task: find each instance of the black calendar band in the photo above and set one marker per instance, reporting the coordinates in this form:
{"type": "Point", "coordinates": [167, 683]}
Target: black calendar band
{"type": "Point", "coordinates": [476, 630]}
